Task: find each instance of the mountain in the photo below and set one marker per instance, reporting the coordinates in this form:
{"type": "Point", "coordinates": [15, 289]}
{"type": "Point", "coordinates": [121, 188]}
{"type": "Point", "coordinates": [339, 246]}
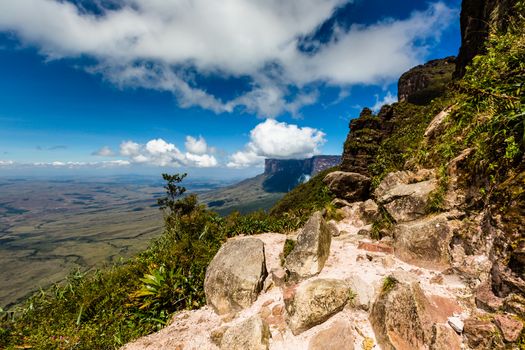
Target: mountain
{"type": "Point", "coordinates": [264, 190]}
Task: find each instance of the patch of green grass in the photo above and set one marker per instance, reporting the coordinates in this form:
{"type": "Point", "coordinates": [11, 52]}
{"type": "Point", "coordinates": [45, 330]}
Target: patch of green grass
{"type": "Point", "coordinates": [389, 283]}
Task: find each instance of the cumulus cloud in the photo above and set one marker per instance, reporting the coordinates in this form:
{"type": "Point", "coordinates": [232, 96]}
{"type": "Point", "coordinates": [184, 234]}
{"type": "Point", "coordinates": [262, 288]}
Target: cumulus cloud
{"type": "Point", "coordinates": [159, 44]}
{"type": "Point", "coordinates": [162, 153]}
{"type": "Point", "coordinates": [388, 99]}
{"type": "Point", "coordinates": [272, 139]}
{"type": "Point", "coordinates": [104, 152]}
{"type": "Point", "coordinates": [5, 163]}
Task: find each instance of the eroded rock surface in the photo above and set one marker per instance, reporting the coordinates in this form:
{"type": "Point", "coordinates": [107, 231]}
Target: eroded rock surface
{"type": "Point", "coordinates": [348, 186]}
{"type": "Point", "coordinates": [251, 334]}
{"type": "Point", "coordinates": [311, 250]}
{"type": "Point", "coordinates": [236, 275]}
{"type": "Point", "coordinates": [313, 302]}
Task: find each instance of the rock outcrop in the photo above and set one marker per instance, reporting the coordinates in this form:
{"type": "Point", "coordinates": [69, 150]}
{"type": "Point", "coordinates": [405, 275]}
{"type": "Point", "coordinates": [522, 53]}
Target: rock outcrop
{"type": "Point", "coordinates": [425, 242]}
{"type": "Point", "coordinates": [404, 318]}
{"type": "Point", "coordinates": [282, 175]}
{"type": "Point", "coordinates": [313, 302]}
{"type": "Point", "coordinates": [478, 18]}
{"type": "Point", "coordinates": [337, 337]}
{"type": "Point", "coordinates": [231, 286]}
{"type": "Point", "coordinates": [405, 194]}
{"type": "Point", "coordinates": [423, 83]}
{"type": "Point", "coordinates": [311, 250]}
{"type": "Point", "coordinates": [348, 186]}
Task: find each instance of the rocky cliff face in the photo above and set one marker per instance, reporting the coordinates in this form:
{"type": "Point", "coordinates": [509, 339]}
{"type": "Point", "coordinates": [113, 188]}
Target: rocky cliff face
{"type": "Point", "coordinates": [284, 174]}
{"type": "Point", "coordinates": [425, 82]}
{"type": "Point", "coordinates": [478, 17]}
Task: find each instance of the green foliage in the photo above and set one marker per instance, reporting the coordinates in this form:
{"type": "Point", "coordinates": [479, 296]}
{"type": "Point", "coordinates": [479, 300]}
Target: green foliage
{"type": "Point", "coordinates": [107, 308]}
{"type": "Point", "coordinates": [437, 197]}
{"type": "Point", "coordinates": [381, 225]}
{"type": "Point", "coordinates": [305, 198]}
{"type": "Point", "coordinates": [389, 283]}
{"type": "Point", "coordinates": [289, 245]}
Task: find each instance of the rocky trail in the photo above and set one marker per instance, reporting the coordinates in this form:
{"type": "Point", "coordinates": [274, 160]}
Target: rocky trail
{"type": "Point", "coordinates": [416, 288]}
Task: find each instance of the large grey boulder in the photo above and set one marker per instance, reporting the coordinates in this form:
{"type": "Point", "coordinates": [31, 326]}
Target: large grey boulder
{"type": "Point", "coordinates": [405, 194]}
{"type": "Point", "coordinates": [425, 242]}
{"type": "Point", "coordinates": [348, 186]}
{"type": "Point", "coordinates": [309, 255]}
{"type": "Point", "coordinates": [315, 301]}
{"type": "Point", "coordinates": [236, 275]}
{"type": "Point", "coordinates": [251, 334]}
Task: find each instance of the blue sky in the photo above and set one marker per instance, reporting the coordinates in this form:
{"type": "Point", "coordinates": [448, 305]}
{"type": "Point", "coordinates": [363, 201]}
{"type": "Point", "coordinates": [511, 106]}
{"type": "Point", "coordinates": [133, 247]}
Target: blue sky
{"type": "Point", "coordinates": [144, 86]}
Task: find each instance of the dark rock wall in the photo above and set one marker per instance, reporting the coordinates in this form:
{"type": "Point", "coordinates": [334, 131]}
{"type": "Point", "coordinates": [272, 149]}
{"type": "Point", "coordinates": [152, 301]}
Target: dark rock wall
{"type": "Point", "coordinates": [478, 17]}
{"type": "Point", "coordinates": [284, 174]}
{"type": "Point", "coordinates": [425, 82]}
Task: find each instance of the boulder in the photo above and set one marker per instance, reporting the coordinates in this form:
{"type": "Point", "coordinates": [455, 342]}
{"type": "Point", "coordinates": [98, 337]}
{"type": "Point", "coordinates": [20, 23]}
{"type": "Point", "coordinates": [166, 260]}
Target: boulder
{"type": "Point", "coordinates": [405, 194]}
{"type": "Point", "coordinates": [348, 186]}
{"type": "Point", "coordinates": [363, 290]}
{"type": "Point", "coordinates": [445, 338]}
{"type": "Point", "coordinates": [404, 318]}
{"type": "Point", "coordinates": [315, 301]}
{"type": "Point", "coordinates": [459, 184]}
{"type": "Point", "coordinates": [236, 275]}
{"type": "Point", "coordinates": [436, 126]}
{"type": "Point", "coordinates": [485, 298]}
{"type": "Point", "coordinates": [425, 242]}
{"type": "Point", "coordinates": [251, 334]}
{"type": "Point", "coordinates": [311, 250]}
{"type": "Point", "coordinates": [510, 327]}
{"type": "Point", "coordinates": [482, 334]}
{"type": "Point", "coordinates": [337, 337]}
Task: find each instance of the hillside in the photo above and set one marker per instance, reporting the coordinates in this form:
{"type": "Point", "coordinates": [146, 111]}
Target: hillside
{"type": "Point", "coordinates": [263, 191]}
{"type": "Point", "coordinates": [415, 242]}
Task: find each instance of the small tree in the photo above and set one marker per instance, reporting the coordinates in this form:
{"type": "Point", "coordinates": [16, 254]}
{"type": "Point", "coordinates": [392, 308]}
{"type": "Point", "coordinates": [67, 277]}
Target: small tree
{"type": "Point", "coordinates": [173, 190]}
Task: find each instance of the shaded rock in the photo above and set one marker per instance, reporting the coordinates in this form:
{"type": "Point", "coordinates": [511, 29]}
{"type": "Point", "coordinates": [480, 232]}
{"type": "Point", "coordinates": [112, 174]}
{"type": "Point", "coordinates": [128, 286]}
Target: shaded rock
{"type": "Point", "coordinates": [337, 337]}
{"type": "Point", "coordinates": [404, 318]}
{"type": "Point", "coordinates": [236, 275]}
{"type": "Point", "coordinates": [348, 186]}
{"type": "Point", "coordinates": [278, 276]}
{"type": "Point", "coordinates": [486, 300]}
{"type": "Point", "coordinates": [311, 250]}
{"type": "Point", "coordinates": [251, 334]}
{"type": "Point", "coordinates": [405, 194]}
{"type": "Point", "coordinates": [515, 304]}
{"type": "Point", "coordinates": [364, 138]}
{"type": "Point", "coordinates": [445, 338]}
{"type": "Point", "coordinates": [425, 242]}
{"type": "Point", "coordinates": [314, 302]}
{"type": "Point", "coordinates": [217, 334]}
{"type": "Point", "coordinates": [510, 327]}
{"type": "Point", "coordinates": [482, 334]}
{"type": "Point", "coordinates": [423, 83]}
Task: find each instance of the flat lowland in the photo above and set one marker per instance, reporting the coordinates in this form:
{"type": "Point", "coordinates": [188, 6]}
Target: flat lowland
{"type": "Point", "coordinates": [50, 227]}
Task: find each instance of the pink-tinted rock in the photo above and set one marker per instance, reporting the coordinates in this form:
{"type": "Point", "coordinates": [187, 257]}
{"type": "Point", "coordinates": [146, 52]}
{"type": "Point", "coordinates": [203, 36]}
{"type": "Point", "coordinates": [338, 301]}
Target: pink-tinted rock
{"type": "Point", "coordinates": [375, 247]}
{"type": "Point", "coordinates": [510, 327]}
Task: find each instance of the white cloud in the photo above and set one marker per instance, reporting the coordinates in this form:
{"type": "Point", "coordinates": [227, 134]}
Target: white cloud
{"type": "Point", "coordinates": [196, 146]}
{"type": "Point", "coordinates": [104, 152]}
{"type": "Point", "coordinates": [272, 139]}
{"type": "Point", "coordinates": [157, 44]}
{"type": "Point", "coordinates": [161, 153]}
{"type": "Point", "coordinates": [5, 163]}
{"type": "Point", "coordinates": [71, 165]}
{"type": "Point", "coordinates": [388, 99]}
